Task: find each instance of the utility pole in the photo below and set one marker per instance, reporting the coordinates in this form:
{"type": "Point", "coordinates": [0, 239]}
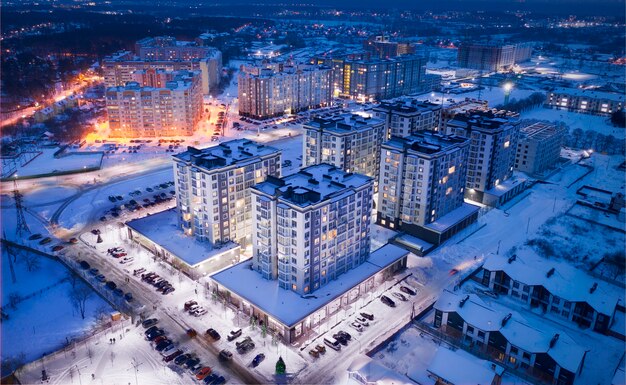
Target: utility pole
{"type": "Point", "coordinates": [135, 365]}
{"type": "Point", "coordinates": [21, 221]}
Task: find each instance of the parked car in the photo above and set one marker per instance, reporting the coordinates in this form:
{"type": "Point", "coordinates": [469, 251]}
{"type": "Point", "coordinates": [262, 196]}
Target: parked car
{"type": "Point", "coordinates": [127, 260]}
{"type": "Point", "coordinates": [155, 334]}
{"type": "Point", "coordinates": [58, 248]}
{"type": "Point", "coordinates": [193, 361]}
{"type": "Point", "coordinates": [73, 240]}
{"type": "Point", "coordinates": [189, 304]}
{"type": "Point", "coordinates": [119, 292]}
{"type": "Point", "coordinates": [111, 285]}
{"type": "Point", "coordinates": [314, 353]}
{"type": "Point", "coordinates": [84, 265]}
{"type": "Point", "coordinates": [368, 316]}
{"type": "Point", "coordinates": [399, 296]}
{"type": "Point", "coordinates": [321, 349]}
{"type": "Point", "coordinates": [101, 278]}
{"type": "Point", "coordinates": [213, 334]}
{"type": "Point", "coordinates": [158, 340]}
{"type": "Point", "coordinates": [234, 334]}
{"type": "Point", "coordinates": [356, 326]}
{"type": "Point", "coordinates": [150, 329]}
{"type": "Point", "coordinates": [219, 381]}
{"type": "Point", "coordinates": [387, 301]}
{"type": "Point", "coordinates": [332, 343]}
{"type": "Point", "coordinates": [407, 290]}
{"type": "Point", "coordinates": [35, 237]}
{"type": "Point", "coordinates": [258, 359]}
{"type": "Point", "coordinates": [168, 290]}
{"type": "Point", "coordinates": [163, 345]}
{"type": "Point", "coordinates": [182, 359]}
{"type": "Point", "coordinates": [172, 355]}
{"type": "Point", "coordinates": [226, 355]}
{"type": "Point", "coordinates": [202, 373]}
{"type": "Point", "coordinates": [45, 241]}
{"type": "Point", "coordinates": [149, 322]}
{"type": "Point", "coordinates": [208, 380]}
{"type": "Point", "coordinates": [362, 321]}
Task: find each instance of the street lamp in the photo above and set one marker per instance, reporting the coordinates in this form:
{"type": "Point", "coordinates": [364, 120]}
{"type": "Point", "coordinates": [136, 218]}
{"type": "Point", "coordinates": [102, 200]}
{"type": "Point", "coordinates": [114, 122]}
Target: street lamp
{"type": "Point", "coordinates": [507, 87]}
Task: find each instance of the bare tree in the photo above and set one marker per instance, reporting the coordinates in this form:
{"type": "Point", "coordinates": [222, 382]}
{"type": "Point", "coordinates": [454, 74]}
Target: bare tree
{"type": "Point", "coordinates": [90, 354]}
{"type": "Point", "coordinates": [72, 278]}
{"type": "Point", "coordinates": [32, 261]}
{"type": "Point", "coordinates": [14, 299]}
{"type": "Point", "coordinates": [79, 296]}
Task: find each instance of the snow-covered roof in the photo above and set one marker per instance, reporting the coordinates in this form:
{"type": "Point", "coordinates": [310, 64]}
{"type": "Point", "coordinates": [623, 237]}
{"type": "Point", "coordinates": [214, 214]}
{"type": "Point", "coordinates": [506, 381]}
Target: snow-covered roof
{"type": "Point", "coordinates": [163, 229]}
{"type": "Point", "coordinates": [532, 338]}
{"type": "Point", "coordinates": [590, 93]}
{"type": "Point", "coordinates": [343, 124]}
{"type": "Point", "coordinates": [237, 152]}
{"type": "Point", "coordinates": [313, 185]}
{"type": "Point", "coordinates": [453, 217]}
{"type": "Point", "coordinates": [459, 368]}
{"type": "Point", "coordinates": [566, 282]}
{"type": "Point", "coordinates": [287, 306]}
{"type": "Point", "coordinates": [505, 186]}
{"type": "Point", "coordinates": [375, 373]}
{"type": "Point", "coordinates": [427, 144]}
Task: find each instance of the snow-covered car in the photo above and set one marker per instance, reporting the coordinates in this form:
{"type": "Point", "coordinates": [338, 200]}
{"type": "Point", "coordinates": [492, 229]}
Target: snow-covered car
{"type": "Point", "coordinates": [362, 321]}
{"type": "Point", "coordinates": [399, 296]}
{"type": "Point", "coordinates": [356, 326]}
{"type": "Point", "coordinates": [407, 290]}
{"type": "Point", "coordinates": [199, 312]}
{"type": "Point", "coordinates": [127, 260]}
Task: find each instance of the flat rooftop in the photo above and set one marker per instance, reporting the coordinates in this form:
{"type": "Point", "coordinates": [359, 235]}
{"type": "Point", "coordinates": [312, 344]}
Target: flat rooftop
{"type": "Point", "coordinates": [313, 184]}
{"type": "Point", "coordinates": [162, 228]}
{"type": "Point", "coordinates": [240, 152]}
{"type": "Point", "coordinates": [343, 124]}
{"type": "Point", "coordinates": [289, 307]}
{"type": "Point", "coordinates": [427, 143]}
{"type": "Point", "coordinates": [453, 217]}
{"type": "Point", "coordinates": [590, 93]}
{"type": "Point", "coordinates": [531, 269]}
{"type": "Point", "coordinates": [407, 106]}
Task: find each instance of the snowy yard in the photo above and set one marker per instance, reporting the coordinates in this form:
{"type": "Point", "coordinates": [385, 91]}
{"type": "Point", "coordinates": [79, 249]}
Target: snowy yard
{"type": "Point", "coordinates": [46, 163]}
{"type": "Point", "coordinates": [574, 120]}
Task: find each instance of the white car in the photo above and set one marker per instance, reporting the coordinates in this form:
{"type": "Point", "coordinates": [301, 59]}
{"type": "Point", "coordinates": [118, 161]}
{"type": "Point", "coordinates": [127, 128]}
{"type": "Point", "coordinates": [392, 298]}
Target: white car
{"type": "Point", "coordinates": [362, 321]}
{"type": "Point", "coordinates": [126, 260]}
{"type": "Point", "coordinates": [399, 296]}
{"type": "Point", "coordinates": [199, 311]}
{"type": "Point", "coordinates": [357, 326]}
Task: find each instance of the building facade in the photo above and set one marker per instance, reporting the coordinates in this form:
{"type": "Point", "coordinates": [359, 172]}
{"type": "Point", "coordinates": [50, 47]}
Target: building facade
{"type": "Point", "coordinates": [539, 147]}
{"type": "Point", "coordinates": [585, 101]}
{"type": "Point", "coordinates": [171, 110]}
{"type": "Point", "coordinates": [349, 142]}
{"type": "Point", "coordinates": [274, 91]}
{"type": "Point", "coordinates": [492, 57]}
{"type": "Point", "coordinates": [119, 68]}
{"type": "Point", "coordinates": [382, 48]}
{"type": "Point", "coordinates": [311, 227]}
{"type": "Point", "coordinates": [366, 79]}
{"type": "Point", "coordinates": [493, 145]}
{"type": "Point", "coordinates": [407, 117]}
{"type": "Point", "coordinates": [422, 180]}
{"type": "Point", "coordinates": [213, 188]}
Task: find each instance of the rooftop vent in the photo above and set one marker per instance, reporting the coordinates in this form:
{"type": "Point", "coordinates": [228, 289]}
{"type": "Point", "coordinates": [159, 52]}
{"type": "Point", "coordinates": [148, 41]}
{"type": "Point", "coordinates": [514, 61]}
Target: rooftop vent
{"type": "Point", "coordinates": [594, 287]}
{"type": "Point", "coordinates": [553, 340]}
{"type": "Point", "coordinates": [512, 258]}
{"type": "Point", "coordinates": [506, 319]}
{"type": "Point", "coordinates": [463, 301]}
{"type": "Point", "coordinates": [550, 273]}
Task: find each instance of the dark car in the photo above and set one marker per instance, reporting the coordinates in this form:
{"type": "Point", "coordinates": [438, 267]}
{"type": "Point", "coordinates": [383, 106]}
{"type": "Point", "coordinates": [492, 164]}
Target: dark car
{"type": "Point", "coordinates": [35, 237]}
{"type": "Point", "coordinates": [387, 301]}
{"type": "Point", "coordinates": [155, 334]}
{"type": "Point", "coordinates": [151, 329]}
{"type": "Point", "coordinates": [258, 359]}
{"type": "Point", "coordinates": [161, 346]}
{"type": "Point", "coordinates": [192, 362]}
{"type": "Point", "coordinates": [111, 285]}
{"type": "Point", "coordinates": [234, 334]}
{"type": "Point", "coordinates": [341, 339]}
{"type": "Point", "coordinates": [94, 271]}
{"type": "Point", "coordinates": [182, 359]}
{"type": "Point", "coordinates": [210, 378]}
{"type": "Point", "coordinates": [119, 292]}
{"type": "Point", "coordinates": [101, 278]}
{"type": "Point", "coordinates": [368, 316]}
{"type": "Point", "coordinates": [84, 265]}
{"type": "Point", "coordinates": [168, 290]}
{"type": "Point", "coordinates": [226, 355]}
{"type": "Point", "coordinates": [58, 248]}
{"type": "Point", "coordinates": [213, 334]}
{"type": "Point", "coordinates": [128, 297]}
{"type": "Point", "coordinates": [95, 231]}
{"type": "Point", "coordinates": [149, 322]}
{"type": "Point", "coordinates": [219, 381]}
{"type": "Point", "coordinates": [44, 241]}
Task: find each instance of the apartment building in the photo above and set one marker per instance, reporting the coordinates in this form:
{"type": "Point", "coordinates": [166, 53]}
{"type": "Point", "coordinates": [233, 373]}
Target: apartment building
{"type": "Point", "coordinates": [367, 79]}
{"type": "Point", "coordinates": [349, 142]}
{"type": "Point", "coordinates": [311, 227]}
{"type": "Point", "coordinates": [493, 145]}
{"type": "Point", "coordinates": [213, 188]}
{"type": "Point", "coordinates": [381, 47]}
{"type": "Point", "coordinates": [539, 147]}
{"type": "Point", "coordinates": [119, 68]}
{"type": "Point", "coordinates": [173, 109]}
{"type": "Point", "coordinates": [557, 288]}
{"type": "Point", "coordinates": [492, 57]}
{"type": "Point", "coordinates": [585, 101]}
{"type": "Point", "coordinates": [545, 353]}
{"type": "Point", "coordinates": [421, 186]}
{"type": "Point", "coordinates": [270, 91]}
{"type": "Point", "coordinates": [408, 116]}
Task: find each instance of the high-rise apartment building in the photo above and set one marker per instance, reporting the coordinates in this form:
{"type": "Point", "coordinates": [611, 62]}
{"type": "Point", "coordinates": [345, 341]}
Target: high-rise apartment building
{"type": "Point", "coordinates": [349, 142]}
{"type": "Point", "coordinates": [422, 180]}
{"type": "Point", "coordinates": [381, 47]}
{"type": "Point", "coordinates": [493, 144]}
{"type": "Point", "coordinates": [270, 91]}
{"type": "Point", "coordinates": [539, 147]}
{"type": "Point", "coordinates": [172, 109]}
{"type": "Point", "coordinates": [363, 78]}
{"type": "Point", "coordinates": [311, 227]}
{"type": "Point", "coordinates": [492, 57]}
{"type": "Point", "coordinates": [408, 116]}
{"type": "Point", "coordinates": [213, 188]}
{"type": "Point", "coordinates": [119, 68]}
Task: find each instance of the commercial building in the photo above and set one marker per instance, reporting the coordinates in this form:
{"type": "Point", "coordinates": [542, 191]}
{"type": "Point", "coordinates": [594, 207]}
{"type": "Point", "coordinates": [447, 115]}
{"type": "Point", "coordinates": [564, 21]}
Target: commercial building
{"type": "Point", "coordinates": [493, 145]}
{"type": "Point", "coordinates": [421, 186]}
{"type": "Point", "coordinates": [366, 79]}
{"type": "Point", "coordinates": [213, 188]}
{"type": "Point", "coordinates": [408, 116]}
{"type": "Point", "coordinates": [311, 227]}
{"type": "Point", "coordinates": [547, 354]}
{"type": "Point", "coordinates": [557, 288]}
{"type": "Point", "coordinates": [492, 57]}
{"type": "Point", "coordinates": [539, 147]}
{"type": "Point", "coordinates": [119, 68]}
{"type": "Point", "coordinates": [174, 109]}
{"type": "Point", "coordinates": [585, 101]}
{"type": "Point", "coordinates": [272, 91]}
{"type": "Point", "coordinates": [349, 142]}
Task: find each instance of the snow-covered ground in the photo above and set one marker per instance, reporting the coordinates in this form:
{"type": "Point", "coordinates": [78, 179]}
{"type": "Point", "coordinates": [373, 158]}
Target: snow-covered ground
{"type": "Point", "coordinates": [46, 163]}
{"type": "Point", "coordinates": [574, 120]}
